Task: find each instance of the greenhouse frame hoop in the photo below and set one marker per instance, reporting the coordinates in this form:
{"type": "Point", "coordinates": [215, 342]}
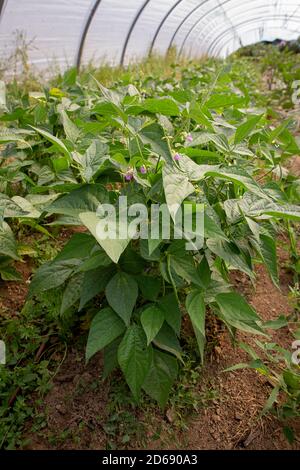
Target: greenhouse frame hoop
{"type": "Point", "coordinates": [252, 30]}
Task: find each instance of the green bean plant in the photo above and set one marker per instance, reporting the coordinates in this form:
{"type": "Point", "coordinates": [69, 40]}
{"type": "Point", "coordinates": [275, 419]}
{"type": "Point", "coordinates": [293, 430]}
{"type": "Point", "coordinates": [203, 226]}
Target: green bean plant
{"type": "Point", "coordinates": [198, 141]}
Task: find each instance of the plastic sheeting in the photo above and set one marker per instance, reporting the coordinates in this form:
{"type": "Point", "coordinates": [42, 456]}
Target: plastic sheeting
{"type": "Point", "coordinates": [67, 32]}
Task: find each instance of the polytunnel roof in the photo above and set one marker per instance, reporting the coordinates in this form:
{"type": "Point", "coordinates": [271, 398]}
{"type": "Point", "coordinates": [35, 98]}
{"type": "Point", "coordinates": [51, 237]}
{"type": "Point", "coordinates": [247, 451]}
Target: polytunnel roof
{"type": "Point", "coordinates": [117, 31]}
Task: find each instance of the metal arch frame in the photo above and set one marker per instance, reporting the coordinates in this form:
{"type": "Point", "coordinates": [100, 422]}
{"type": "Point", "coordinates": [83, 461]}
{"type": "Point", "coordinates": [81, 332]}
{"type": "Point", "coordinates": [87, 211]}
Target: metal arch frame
{"type": "Point", "coordinates": [215, 43]}
{"type": "Point", "coordinates": [167, 15]}
{"type": "Point", "coordinates": [130, 31]}
{"type": "Point", "coordinates": [207, 14]}
{"type": "Point", "coordinates": [137, 17]}
{"type": "Point", "coordinates": [220, 37]}
{"type": "Point", "coordinates": [133, 24]}
{"type": "Point", "coordinates": [252, 30]}
{"type": "Point", "coordinates": [85, 32]}
{"type": "Point", "coordinates": [249, 11]}
{"type": "Point", "coordinates": [243, 31]}
{"type": "Point", "coordinates": [161, 25]}
{"type": "Point", "coordinates": [224, 44]}
{"type": "Point", "coordinates": [216, 7]}
{"type": "Point", "coordinates": [1, 5]}
{"type": "Point", "coordinates": [186, 18]}
{"type": "Point", "coordinates": [218, 51]}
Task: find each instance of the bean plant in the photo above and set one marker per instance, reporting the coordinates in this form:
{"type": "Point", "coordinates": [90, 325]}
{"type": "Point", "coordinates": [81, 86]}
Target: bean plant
{"type": "Point", "coordinates": [201, 140]}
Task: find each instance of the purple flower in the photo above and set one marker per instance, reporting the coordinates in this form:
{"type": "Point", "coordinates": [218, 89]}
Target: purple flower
{"type": "Point", "coordinates": [128, 176]}
{"type": "Point", "coordinates": [189, 138]}
{"type": "Point", "coordinates": [177, 157]}
{"type": "Point", "coordinates": [143, 169]}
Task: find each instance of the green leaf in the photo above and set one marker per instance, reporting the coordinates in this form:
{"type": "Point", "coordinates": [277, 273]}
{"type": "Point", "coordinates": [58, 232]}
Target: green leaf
{"type": "Point", "coordinates": [225, 100]}
{"type": "Point", "coordinates": [167, 340]}
{"type": "Point", "coordinates": [176, 187]}
{"type": "Point", "coordinates": [289, 434]}
{"type": "Point", "coordinates": [215, 287]}
{"type": "Point", "coordinates": [275, 133]}
{"type": "Point", "coordinates": [153, 245]}
{"type": "Point", "coordinates": [220, 141]}
{"type": "Point", "coordinates": [242, 365]}
{"type": "Point", "coordinates": [121, 293]}
{"type": "Point", "coordinates": [238, 313]}
{"type": "Point", "coordinates": [9, 273]}
{"type": "Point", "coordinates": [111, 357]}
{"type": "Point", "coordinates": [79, 246]}
{"type": "Point", "coordinates": [9, 135]}
{"type": "Point", "coordinates": [8, 246]}
{"type": "Point", "coordinates": [152, 319]}
{"type": "Point", "coordinates": [72, 292]}
{"type": "Point", "coordinates": [269, 256]}
{"type": "Point", "coordinates": [204, 273]}
{"type": "Point", "coordinates": [292, 380]}
{"type": "Point", "coordinates": [27, 207]}
{"type": "Point", "coordinates": [240, 177]}
{"type": "Point", "coordinates": [172, 313]}
{"type": "Point", "coordinates": [192, 170]}
{"type": "Point", "coordinates": [106, 326]}
{"type": "Point", "coordinates": [58, 144]}
{"type": "Point", "coordinates": [164, 106]}
{"type": "Point", "coordinates": [185, 268]}
{"type": "Point", "coordinates": [94, 282]}
{"type": "Point", "coordinates": [231, 254]}
{"type": "Point", "coordinates": [96, 259]}
{"type": "Point", "coordinates": [84, 199]}
{"type": "Point", "coordinates": [246, 128]}
{"type": "Point", "coordinates": [154, 136]}
{"type": "Point", "coordinates": [92, 160]}
{"type": "Point", "coordinates": [11, 208]}
{"type": "Point", "coordinates": [271, 400]}
{"type": "Point", "coordinates": [134, 358]}
{"type": "Point", "coordinates": [276, 324]}
{"type": "Point", "coordinates": [162, 374]}
{"type": "Point", "coordinates": [114, 247]}
{"type": "Point", "coordinates": [149, 287]}
{"type": "Point", "coordinates": [131, 262]}
{"type": "Point", "coordinates": [212, 230]}
{"type": "Point", "coordinates": [60, 164]}
{"type": "Point", "coordinates": [196, 309]}
{"type": "Point", "coordinates": [71, 130]}
{"type": "Point", "coordinates": [52, 275]}
{"type": "Point", "coordinates": [288, 211]}
{"type": "Point", "coordinates": [109, 95]}
{"type": "Point", "coordinates": [200, 117]}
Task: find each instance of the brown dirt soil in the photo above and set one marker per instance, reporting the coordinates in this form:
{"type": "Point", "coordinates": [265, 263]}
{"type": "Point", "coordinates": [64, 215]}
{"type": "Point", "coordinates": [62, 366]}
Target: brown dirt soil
{"type": "Point", "coordinates": [13, 294]}
{"type": "Point", "coordinates": [294, 166]}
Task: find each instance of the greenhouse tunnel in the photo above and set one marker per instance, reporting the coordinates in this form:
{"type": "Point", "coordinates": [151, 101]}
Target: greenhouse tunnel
{"type": "Point", "coordinates": [83, 31]}
{"type": "Point", "coordinates": [149, 231]}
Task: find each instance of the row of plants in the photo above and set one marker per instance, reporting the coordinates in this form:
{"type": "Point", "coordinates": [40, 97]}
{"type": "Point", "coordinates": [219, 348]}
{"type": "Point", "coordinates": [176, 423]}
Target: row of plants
{"type": "Point", "coordinates": [200, 138]}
